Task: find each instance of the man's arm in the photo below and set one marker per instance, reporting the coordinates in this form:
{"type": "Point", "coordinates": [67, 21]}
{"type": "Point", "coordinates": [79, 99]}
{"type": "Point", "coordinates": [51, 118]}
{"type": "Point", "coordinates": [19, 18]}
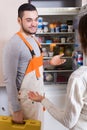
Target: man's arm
{"type": "Point", "coordinates": [57, 60]}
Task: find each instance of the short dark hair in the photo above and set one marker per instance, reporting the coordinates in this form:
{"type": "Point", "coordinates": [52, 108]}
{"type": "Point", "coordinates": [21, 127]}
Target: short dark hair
{"type": "Point", "coordinates": [82, 28]}
{"type": "Point", "coordinates": [25, 7]}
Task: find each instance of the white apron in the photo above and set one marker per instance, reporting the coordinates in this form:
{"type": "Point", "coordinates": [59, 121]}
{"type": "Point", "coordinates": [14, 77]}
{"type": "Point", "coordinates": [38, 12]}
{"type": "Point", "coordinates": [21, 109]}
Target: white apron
{"type": "Point", "coordinates": [33, 81]}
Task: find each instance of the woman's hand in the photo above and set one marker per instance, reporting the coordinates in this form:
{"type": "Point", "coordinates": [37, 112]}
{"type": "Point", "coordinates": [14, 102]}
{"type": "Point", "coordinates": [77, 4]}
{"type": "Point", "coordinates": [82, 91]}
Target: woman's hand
{"type": "Point", "coordinates": [57, 60]}
{"type": "Point", "coordinates": [35, 96]}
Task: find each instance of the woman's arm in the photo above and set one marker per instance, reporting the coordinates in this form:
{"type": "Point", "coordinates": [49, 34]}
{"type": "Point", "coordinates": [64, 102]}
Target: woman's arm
{"type": "Point", "coordinates": [73, 107]}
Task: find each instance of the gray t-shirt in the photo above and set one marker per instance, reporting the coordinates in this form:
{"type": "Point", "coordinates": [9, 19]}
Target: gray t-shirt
{"type": "Point", "coordinates": [15, 60]}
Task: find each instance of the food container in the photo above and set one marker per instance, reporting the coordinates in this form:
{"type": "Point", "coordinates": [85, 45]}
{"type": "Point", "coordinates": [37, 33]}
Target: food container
{"type": "Point", "coordinates": [45, 27]}
{"type": "Point", "coordinates": [45, 53]}
{"type": "Point", "coordinates": [48, 41]}
{"type": "Point", "coordinates": [63, 40]}
{"type": "Point", "coordinates": [50, 54]}
{"type": "Point", "coordinates": [70, 28]}
{"type": "Point", "coordinates": [63, 27]}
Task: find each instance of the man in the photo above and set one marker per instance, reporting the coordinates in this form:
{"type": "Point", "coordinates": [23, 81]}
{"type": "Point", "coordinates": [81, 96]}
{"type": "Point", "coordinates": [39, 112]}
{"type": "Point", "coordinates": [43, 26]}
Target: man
{"type": "Point", "coordinates": [23, 66]}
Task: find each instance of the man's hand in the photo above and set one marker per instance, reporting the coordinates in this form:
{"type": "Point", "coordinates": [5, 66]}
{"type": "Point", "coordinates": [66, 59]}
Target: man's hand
{"type": "Point", "coordinates": [57, 60]}
{"type": "Point", "coordinates": [17, 117]}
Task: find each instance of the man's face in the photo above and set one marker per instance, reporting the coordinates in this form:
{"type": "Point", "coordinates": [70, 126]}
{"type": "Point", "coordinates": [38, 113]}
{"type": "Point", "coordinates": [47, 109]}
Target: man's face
{"type": "Point", "coordinates": [29, 22]}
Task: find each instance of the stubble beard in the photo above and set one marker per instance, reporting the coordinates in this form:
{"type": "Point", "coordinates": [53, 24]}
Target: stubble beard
{"type": "Point", "coordinates": [28, 32]}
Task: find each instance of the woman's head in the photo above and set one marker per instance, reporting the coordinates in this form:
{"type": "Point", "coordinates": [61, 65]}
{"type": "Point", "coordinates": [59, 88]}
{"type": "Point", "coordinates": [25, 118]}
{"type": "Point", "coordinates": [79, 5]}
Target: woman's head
{"type": "Point", "coordinates": [82, 28]}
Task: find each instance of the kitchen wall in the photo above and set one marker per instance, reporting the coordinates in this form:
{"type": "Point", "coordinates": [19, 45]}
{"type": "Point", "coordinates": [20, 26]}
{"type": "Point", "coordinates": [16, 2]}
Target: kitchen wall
{"type": "Point", "coordinates": [8, 25]}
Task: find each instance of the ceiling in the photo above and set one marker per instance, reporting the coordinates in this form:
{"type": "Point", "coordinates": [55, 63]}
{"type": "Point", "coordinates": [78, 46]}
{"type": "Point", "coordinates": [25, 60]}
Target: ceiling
{"type": "Point", "coordinates": [57, 3]}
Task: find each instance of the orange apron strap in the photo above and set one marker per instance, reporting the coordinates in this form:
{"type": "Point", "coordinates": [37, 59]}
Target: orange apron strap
{"type": "Point", "coordinates": [34, 65]}
{"type": "Point", "coordinates": [33, 62]}
{"type": "Point", "coordinates": [38, 44]}
{"type": "Point", "coordinates": [25, 41]}
{"type": "Point", "coordinates": [37, 73]}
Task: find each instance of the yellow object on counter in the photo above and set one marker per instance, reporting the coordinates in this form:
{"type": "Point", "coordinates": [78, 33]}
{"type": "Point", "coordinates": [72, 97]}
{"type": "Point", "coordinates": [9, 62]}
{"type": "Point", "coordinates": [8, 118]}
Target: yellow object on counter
{"type": "Point", "coordinates": [7, 124]}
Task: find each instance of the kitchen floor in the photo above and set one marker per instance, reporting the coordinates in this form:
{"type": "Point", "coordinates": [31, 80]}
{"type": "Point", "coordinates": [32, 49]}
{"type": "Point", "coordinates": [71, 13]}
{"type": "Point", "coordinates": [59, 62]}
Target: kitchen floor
{"type": "Point", "coordinates": [56, 94]}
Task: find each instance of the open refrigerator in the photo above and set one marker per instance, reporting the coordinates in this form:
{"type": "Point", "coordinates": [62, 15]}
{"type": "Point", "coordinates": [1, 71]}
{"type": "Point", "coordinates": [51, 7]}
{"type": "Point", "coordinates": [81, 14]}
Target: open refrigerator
{"type": "Point", "coordinates": [56, 34]}
{"type": "Point", "coordinates": [56, 92]}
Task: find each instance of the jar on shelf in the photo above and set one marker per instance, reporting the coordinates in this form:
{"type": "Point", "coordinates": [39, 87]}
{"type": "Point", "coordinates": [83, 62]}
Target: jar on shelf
{"type": "Point", "coordinates": [52, 45]}
{"type": "Point", "coordinates": [51, 27]}
{"type": "Point", "coordinates": [49, 77]}
{"type": "Point", "coordinates": [61, 50]}
{"type": "Point", "coordinates": [70, 28]}
{"type": "Point", "coordinates": [70, 25]}
{"type": "Point", "coordinates": [40, 25]}
{"type": "Point", "coordinates": [63, 39]}
{"type": "Point", "coordinates": [68, 51]}
{"type": "Point", "coordinates": [40, 19]}
{"type": "Point", "coordinates": [57, 29]}
{"type": "Point", "coordinates": [45, 27]}
{"type": "Point", "coordinates": [56, 50]}
{"type": "Point", "coordinates": [63, 27]}
{"type": "Point", "coordinates": [50, 53]}
{"type": "Point", "coordinates": [45, 53]}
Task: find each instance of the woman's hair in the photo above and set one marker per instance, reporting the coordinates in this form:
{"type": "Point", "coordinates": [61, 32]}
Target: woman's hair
{"type": "Point", "coordinates": [25, 7]}
{"type": "Point", "coordinates": [82, 28]}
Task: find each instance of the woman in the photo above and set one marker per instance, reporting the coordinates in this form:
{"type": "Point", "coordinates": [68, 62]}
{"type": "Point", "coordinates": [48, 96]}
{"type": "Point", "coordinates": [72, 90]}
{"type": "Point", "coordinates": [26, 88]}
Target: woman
{"type": "Point", "coordinates": [74, 116]}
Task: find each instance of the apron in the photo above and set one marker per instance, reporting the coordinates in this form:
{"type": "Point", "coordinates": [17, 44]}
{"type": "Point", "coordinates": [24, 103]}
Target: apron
{"type": "Point", "coordinates": [33, 81]}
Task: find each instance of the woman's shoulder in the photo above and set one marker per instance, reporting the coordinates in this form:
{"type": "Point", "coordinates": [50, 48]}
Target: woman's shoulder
{"type": "Point", "coordinates": [80, 72]}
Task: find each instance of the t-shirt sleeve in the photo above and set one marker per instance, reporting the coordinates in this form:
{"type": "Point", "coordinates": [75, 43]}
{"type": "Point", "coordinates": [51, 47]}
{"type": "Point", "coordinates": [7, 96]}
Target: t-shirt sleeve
{"type": "Point", "coordinates": [10, 64]}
